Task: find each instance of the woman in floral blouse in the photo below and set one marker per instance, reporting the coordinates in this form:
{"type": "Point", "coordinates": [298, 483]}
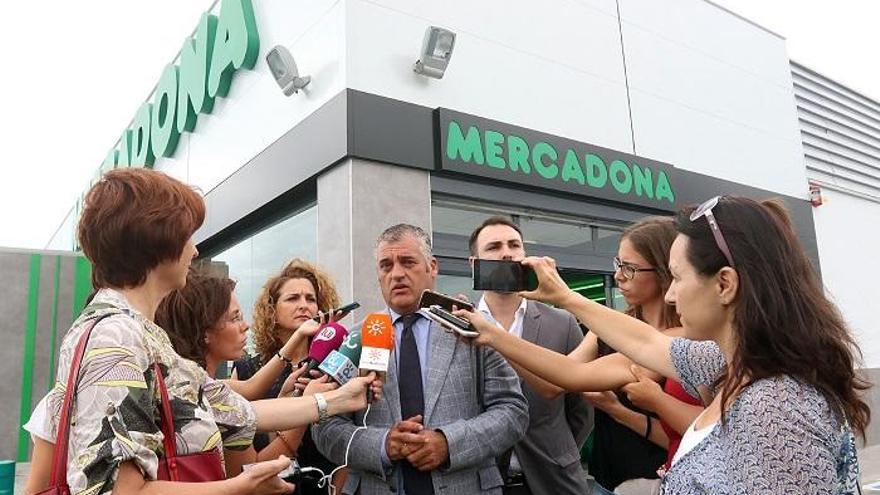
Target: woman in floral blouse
{"type": "Point", "coordinates": [135, 228]}
{"type": "Point", "coordinates": [765, 349]}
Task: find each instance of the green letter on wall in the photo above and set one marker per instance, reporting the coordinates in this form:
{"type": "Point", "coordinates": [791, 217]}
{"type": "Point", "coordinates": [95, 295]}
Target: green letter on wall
{"type": "Point", "coordinates": [464, 148]}
{"type": "Point", "coordinates": [236, 44]}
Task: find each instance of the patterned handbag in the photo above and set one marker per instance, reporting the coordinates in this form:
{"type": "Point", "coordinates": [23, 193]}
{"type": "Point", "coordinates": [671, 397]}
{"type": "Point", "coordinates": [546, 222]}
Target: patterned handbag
{"type": "Point", "coordinates": [203, 466]}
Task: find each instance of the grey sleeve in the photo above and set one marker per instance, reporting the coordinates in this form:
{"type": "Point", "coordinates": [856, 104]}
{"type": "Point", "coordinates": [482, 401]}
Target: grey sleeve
{"type": "Point", "coordinates": [498, 427]}
{"type": "Point", "coordinates": [578, 414]}
{"type": "Point", "coordinates": [332, 437]}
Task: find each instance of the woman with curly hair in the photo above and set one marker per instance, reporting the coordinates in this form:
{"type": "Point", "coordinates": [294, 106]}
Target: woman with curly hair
{"type": "Point", "coordinates": [205, 324]}
{"type": "Point", "coordinates": [282, 318]}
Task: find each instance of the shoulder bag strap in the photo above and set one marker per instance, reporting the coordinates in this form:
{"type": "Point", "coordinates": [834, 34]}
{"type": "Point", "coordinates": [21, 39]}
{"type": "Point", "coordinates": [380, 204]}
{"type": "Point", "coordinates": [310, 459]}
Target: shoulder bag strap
{"type": "Point", "coordinates": [169, 440]}
{"type": "Point", "coordinates": [62, 439]}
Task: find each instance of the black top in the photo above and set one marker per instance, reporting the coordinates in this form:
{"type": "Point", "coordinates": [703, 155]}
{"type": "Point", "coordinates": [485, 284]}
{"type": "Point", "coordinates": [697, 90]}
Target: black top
{"type": "Point", "coordinates": [307, 454]}
{"type": "Point", "coordinates": [620, 454]}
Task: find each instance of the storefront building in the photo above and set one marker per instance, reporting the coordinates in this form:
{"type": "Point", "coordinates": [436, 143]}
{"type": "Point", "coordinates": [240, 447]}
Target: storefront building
{"type": "Point", "coordinates": [576, 118]}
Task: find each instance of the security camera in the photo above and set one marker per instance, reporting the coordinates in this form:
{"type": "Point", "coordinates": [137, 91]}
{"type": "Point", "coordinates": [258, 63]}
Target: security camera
{"type": "Point", "coordinates": [284, 70]}
{"type": "Point", "coordinates": [437, 48]}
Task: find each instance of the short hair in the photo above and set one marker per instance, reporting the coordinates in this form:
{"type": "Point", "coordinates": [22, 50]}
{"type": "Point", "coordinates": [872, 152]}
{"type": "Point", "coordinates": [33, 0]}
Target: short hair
{"type": "Point", "coordinates": [187, 313]}
{"type": "Point", "coordinates": [493, 220]}
{"type": "Point", "coordinates": [133, 220]}
{"type": "Point", "coordinates": [397, 233]}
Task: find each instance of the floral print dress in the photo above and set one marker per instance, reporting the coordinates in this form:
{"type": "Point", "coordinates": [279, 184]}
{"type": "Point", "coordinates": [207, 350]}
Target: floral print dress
{"type": "Point", "coordinates": [115, 416]}
{"type": "Point", "coordinates": [780, 436]}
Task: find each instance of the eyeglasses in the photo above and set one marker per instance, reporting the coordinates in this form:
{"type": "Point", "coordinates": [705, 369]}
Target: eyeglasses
{"type": "Point", "coordinates": [629, 270]}
{"type": "Point", "coordinates": [705, 210]}
{"type": "Point", "coordinates": [237, 318]}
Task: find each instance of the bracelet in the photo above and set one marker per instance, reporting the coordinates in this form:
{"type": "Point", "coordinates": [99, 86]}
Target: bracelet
{"type": "Point", "coordinates": [321, 402]}
{"type": "Point", "coordinates": [648, 427]}
{"type": "Point", "coordinates": [284, 441]}
{"type": "Point", "coordinates": [286, 360]}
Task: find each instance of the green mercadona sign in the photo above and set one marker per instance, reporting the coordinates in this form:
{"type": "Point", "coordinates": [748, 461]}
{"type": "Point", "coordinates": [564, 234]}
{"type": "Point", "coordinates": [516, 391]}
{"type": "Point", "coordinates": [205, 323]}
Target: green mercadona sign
{"type": "Point", "coordinates": [207, 62]}
{"type": "Point", "coordinates": [486, 148]}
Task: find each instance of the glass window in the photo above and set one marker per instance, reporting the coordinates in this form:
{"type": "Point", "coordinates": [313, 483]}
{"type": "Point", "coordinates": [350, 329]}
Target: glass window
{"type": "Point", "coordinates": [252, 261]}
{"type": "Point", "coordinates": [607, 240]}
{"type": "Point", "coordinates": [554, 234]}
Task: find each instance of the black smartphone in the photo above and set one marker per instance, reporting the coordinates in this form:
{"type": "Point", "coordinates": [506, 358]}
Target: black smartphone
{"type": "Point", "coordinates": [345, 310]}
{"type": "Point", "coordinates": [503, 276]}
{"type": "Point", "coordinates": [430, 298]}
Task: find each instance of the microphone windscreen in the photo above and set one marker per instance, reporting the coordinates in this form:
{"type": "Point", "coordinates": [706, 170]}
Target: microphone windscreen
{"type": "Point", "coordinates": [377, 340]}
{"type": "Point", "coordinates": [339, 367]}
{"type": "Point", "coordinates": [351, 347]}
{"type": "Point", "coordinates": [328, 339]}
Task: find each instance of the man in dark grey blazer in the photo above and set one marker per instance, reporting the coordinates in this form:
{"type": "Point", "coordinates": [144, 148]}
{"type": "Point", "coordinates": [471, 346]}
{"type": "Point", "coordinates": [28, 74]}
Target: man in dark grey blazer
{"type": "Point", "coordinates": [547, 460]}
{"type": "Point", "coordinates": [430, 432]}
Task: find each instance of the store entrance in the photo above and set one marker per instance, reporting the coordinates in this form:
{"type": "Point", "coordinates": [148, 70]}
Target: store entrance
{"type": "Point", "coordinates": [584, 248]}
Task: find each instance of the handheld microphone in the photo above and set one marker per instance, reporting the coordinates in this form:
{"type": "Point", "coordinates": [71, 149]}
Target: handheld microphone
{"type": "Point", "coordinates": [340, 364]}
{"type": "Point", "coordinates": [377, 340]}
{"type": "Point", "coordinates": [328, 339]}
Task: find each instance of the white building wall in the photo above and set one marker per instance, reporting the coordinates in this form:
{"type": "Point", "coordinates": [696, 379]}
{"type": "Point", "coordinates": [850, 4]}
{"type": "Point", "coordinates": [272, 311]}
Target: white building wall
{"type": "Point", "coordinates": [841, 136]}
{"type": "Point", "coordinates": [712, 93]}
{"type": "Point", "coordinates": [256, 113]}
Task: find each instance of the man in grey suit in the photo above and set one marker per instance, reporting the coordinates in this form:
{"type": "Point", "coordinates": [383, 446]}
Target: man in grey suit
{"type": "Point", "coordinates": [430, 432]}
{"type": "Point", "coordinates": [547, 460]}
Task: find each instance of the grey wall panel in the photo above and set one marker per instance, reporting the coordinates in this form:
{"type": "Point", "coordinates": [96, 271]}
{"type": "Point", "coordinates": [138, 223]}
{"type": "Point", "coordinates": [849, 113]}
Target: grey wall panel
{"type": "Point", "coordinates": [13, 307]}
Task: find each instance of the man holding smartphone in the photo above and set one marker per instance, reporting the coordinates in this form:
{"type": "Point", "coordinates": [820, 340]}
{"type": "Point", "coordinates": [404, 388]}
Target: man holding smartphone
{"type": "Point", "coordinates": [547, 459]}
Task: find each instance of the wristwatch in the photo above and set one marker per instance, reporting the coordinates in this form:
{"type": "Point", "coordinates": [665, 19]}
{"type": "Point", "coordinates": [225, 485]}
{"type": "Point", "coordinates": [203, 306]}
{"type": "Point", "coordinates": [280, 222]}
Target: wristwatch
{"type": "Point", "coordinates": [321, 402]}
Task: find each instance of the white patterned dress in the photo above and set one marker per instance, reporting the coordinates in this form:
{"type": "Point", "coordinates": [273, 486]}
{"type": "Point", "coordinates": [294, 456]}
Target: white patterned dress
{"type": "Point", "coordinates": [779, 437]}
{"type": "Point", "coordinates": [116, 408]}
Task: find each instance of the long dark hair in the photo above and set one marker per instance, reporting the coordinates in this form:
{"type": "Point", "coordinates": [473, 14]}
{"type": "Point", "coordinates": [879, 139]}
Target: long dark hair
{"type": "Point", "coordinates": [783, 324]}
{"type": "Point", "coordinates": [652, 237]}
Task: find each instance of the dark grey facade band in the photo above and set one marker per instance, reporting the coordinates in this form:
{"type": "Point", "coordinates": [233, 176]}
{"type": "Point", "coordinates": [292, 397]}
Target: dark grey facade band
{"type": "Point", "coordinates": [469, 157]}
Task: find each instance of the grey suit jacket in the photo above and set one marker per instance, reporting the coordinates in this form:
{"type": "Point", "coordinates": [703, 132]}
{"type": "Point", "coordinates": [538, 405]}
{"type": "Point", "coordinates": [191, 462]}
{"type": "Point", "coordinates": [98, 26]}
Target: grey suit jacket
{"type": "Point", "coordinates": [475, 436]}
{"type": "Point", "coordinates": [550, 452]}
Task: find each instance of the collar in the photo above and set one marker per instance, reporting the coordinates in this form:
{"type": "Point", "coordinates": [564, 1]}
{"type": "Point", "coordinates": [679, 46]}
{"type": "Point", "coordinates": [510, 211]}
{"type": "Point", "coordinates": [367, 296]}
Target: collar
{"type": "Point", "coordinates": [483, 307]}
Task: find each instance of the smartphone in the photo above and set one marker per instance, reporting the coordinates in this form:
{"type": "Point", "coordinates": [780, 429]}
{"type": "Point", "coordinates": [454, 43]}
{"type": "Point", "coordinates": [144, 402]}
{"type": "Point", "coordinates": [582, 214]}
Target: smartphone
{"type": "Point", "coordinates": [345, 310]}
{"type": "Point", "coordinates": [430, 298]}
{"type": "Point", "coordinates": [449, 321]}
{"type": "Point", "coordinates": [503, 276]}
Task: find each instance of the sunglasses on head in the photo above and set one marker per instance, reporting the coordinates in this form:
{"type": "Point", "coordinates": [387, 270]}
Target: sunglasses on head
{"type": "Point", "coordinates": [705, 210]}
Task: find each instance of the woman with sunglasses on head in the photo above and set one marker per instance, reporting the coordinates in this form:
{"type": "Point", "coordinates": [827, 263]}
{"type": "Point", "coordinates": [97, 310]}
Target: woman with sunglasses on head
{"type": "Point", "coordinates": [633, 438]}
{"type": "Point", "coordinates": [765, 348]}
{"type": "Point", "coordinates": [136, 228]}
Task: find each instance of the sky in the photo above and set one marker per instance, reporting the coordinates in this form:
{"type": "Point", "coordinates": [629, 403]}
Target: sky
{"type": "Point", "coordinates": [74, 73]}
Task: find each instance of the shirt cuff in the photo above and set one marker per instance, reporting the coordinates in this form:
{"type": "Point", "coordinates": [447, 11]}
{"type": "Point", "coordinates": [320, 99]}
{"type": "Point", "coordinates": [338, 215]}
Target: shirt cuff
{"type": "Point", "coordinates": [386, 461]}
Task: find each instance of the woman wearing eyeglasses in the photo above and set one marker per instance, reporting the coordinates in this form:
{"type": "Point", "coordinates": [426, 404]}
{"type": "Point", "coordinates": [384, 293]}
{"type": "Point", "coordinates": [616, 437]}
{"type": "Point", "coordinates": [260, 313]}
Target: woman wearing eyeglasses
{"type": "Point", "coordinates": [633, 438]}
{"type": "Point", "coordinates": [766, 350]}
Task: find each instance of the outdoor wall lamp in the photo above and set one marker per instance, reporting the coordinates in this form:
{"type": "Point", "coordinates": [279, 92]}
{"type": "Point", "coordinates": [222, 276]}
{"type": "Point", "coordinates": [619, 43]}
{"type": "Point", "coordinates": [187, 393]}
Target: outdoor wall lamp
{"type": "Point", "coordinates": [283, 69]}
{"type": "Point", "coordinates": [437, 49]}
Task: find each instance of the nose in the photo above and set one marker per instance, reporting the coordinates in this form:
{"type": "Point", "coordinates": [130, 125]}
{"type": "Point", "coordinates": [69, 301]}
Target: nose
{"type": "Point", "coordinates": [195, 252]}
{"type": "Point", "coordinates": [618, 276]}
{"type": "Point", "coordinates": [669, 297]}
{"type": "Point", "coordinates": [244, 326]}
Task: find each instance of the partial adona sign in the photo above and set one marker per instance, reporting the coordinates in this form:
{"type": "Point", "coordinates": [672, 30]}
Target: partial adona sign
{"type": "Point", "coordinates": [221, 46]}
{"type": "Point", "coordinates": [477, 146]}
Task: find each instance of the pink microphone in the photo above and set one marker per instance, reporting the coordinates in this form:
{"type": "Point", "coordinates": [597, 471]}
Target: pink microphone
{"type": "Point", "coordinates": [328, 339]}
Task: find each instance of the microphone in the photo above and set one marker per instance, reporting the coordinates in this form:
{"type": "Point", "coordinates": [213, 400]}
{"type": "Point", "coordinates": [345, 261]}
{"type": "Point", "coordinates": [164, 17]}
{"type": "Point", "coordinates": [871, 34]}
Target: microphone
{"type": "Point", "coordinates": [340, 364]}
{"type": "Point", "coordinates": [328, 339]}
{"type": "Point", "coordinates": [377, 340]}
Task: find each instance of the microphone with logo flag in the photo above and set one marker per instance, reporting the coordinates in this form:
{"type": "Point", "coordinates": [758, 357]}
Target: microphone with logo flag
{"type": "Point", "coordinates": [328, 339]}
{"type": "Point", "coordinates": [340, 364]}
{"type": "Point", "coordinates": [377, 341]}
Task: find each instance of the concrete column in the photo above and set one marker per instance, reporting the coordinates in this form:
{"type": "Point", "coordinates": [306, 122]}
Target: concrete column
{"type": "Point", "coordinates": [357, 200]}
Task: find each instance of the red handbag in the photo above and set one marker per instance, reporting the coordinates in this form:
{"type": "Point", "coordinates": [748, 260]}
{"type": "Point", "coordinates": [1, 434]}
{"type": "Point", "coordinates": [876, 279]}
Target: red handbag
{"type": "Point", "coordinates": [203, 466]}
